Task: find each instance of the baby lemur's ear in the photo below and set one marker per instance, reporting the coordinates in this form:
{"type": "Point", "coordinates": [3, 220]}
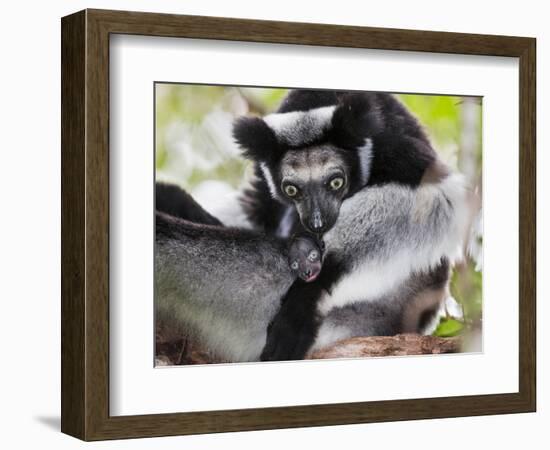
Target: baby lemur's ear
{"type": "Point", "coordinates": [355, 119]}
{"type": "Point", "coordinates": [256, 138]}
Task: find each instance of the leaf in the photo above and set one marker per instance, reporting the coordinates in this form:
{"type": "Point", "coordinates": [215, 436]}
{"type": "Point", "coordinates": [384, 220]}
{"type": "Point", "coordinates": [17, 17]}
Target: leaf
{"type": "Point", "coordinates": [448, 328]}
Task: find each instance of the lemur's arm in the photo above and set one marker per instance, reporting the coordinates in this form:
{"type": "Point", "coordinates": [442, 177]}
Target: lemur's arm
{"type": "Point", "coordinates": [291, 333]}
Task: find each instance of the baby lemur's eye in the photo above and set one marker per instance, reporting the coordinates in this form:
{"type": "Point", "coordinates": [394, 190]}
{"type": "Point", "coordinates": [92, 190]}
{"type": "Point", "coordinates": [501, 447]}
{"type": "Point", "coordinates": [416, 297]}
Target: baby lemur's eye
{"type": "Point", "coordinates": [291, 190]}
{"type": "Point", "coordinates": [294, 265]}
{"type": "Point", "coordinates": [313, 255]}
{"type": "Point", "coordinates": [336, 183]}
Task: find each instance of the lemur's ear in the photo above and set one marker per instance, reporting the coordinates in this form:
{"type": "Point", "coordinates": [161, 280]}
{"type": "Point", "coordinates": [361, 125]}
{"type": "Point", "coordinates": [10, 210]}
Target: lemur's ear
{"type": "Point", "coordinates": [354, 120]}
{"type": "Point", "coordinates": [256, 138]}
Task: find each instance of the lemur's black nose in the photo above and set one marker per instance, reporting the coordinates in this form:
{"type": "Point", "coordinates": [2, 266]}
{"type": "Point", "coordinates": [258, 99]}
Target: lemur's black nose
{"type": "Point", "coordinates": [316, 222]}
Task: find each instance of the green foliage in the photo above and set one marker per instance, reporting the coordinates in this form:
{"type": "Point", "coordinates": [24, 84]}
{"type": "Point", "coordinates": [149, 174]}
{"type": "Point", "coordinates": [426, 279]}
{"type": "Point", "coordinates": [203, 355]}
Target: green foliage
{"type": "Point", "coordinates": [193, 141]}
{"type": "Point", "coordinates": [448, 327]}
{"type": "Point", "coordinates": [466, 288]}
{"type": "Point", "coordinates": [440, 115]}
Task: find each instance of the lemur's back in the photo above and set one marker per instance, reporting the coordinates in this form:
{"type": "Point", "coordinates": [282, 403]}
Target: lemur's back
{"type": "Point", "coordinates": [230, 307]}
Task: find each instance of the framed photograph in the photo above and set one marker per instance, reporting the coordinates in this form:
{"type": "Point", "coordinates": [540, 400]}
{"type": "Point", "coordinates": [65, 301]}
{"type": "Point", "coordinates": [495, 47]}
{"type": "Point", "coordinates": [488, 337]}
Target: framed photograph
{"type": "Point", "coordinates": [273, 225]}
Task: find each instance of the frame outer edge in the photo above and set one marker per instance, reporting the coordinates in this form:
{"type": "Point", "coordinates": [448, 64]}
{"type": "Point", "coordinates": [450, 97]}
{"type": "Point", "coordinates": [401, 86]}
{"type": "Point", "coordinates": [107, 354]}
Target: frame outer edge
{"type": "Point", "coordinates": [73, 225]}
{"type": "Point", "coordinates": [96, 201]}
{"type": "Point", "coordinates": [307, 33]}
{"type": "Point", "coordinates": [528, 224]}
{"type": "Point", "coordinates": [85, 226]}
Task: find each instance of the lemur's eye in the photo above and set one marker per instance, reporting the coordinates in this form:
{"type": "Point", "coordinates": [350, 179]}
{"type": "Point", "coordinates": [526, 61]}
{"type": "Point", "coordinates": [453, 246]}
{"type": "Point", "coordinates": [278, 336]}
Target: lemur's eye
{"type": "Point", "coordinates": [313, 255]}
{"type": "Point", "coordinates": [291, 190]}
{"type": "Point", "coordinates": [336, 183]}
{"type": "Point", "coordinates": [294, 265]}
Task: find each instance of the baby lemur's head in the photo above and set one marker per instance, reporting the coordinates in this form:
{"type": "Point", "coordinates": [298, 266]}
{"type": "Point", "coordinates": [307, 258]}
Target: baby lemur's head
{"type": "Point", "coordinates": [305, 256]}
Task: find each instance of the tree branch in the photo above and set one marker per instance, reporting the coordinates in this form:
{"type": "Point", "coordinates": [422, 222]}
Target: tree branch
{"type": "Point", "coordinates": [399, 345]}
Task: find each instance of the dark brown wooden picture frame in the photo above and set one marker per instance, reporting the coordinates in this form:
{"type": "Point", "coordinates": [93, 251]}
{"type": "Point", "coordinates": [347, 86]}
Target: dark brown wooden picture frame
{"type": "Point", "coordinates": [85, 224]}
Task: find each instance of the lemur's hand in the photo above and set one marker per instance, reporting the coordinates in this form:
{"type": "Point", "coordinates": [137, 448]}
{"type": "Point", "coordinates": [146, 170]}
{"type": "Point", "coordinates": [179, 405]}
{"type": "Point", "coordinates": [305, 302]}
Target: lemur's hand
{"type": "Point", "coordinates": [293, 330]}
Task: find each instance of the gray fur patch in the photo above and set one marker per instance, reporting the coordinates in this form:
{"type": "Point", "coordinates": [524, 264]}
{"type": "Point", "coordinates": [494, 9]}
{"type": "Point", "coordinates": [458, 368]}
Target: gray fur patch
{"type": "Point", "coordinates": [385, 234]}
{"type": "Point", "coordinates": [223, 292]}
{"type": "Point", "coordinates": [285, 226]}
{"type": "Point", "coordinates": [397, 311]}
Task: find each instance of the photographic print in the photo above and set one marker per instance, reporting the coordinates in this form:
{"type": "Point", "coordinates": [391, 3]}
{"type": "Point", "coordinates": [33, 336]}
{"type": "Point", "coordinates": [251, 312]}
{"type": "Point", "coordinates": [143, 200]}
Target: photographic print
{"type": "Point", "coordinates": [299, 224]}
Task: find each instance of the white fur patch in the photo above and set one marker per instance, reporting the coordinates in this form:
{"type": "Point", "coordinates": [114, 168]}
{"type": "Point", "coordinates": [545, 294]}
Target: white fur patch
{"type": "Point", "coordinates": [448, 308]}
{"type": "Point", "coordinates": [300, 127]}
{"type": "Point", "coordinates": [372, 278]}
{"type": "Point", "coordinates": [269, 180]}
{"type": "Point", "coordinates": [328, 334]}
{"type": "Point", "coordinates": [365, 159]}
{"type": "Point", "coordinates": [285, 226]}
{"type": "Point", "coordinates": [223, 202]}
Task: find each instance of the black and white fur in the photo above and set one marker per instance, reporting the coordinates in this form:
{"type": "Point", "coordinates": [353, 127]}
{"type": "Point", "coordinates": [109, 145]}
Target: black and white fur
{"type": "Point", "coordinates": [227, 285]}
{"type": "Point", "coordinates": [382, 148]}
{"type": "Point", "coordinates": [386, 266]}
{"type": "Point", "coordinates": [372, 135]}
{"type": "Point", "coordinates": [391, 232]}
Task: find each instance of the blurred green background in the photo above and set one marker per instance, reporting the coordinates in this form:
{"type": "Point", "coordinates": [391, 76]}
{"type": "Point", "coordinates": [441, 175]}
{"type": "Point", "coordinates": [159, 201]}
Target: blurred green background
{"type": "Point", "coordinates": [195, 149]}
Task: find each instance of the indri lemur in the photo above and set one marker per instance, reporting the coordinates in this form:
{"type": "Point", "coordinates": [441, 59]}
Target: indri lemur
{"type": "Point", "coordinates": [357, 167]}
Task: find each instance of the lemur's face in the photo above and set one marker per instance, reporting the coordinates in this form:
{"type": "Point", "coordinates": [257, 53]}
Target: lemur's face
{"type": "Point", "coordinates": [315, 180]}
{"type": "Point", "coordinates": [305, 258]}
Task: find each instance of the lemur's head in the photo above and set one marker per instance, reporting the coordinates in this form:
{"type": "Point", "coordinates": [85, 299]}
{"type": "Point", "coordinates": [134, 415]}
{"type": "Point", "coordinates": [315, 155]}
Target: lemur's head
{"type": "Point", "coordinates": [314, 158]}
{"type": "Point", "coordinates": [305, 257]}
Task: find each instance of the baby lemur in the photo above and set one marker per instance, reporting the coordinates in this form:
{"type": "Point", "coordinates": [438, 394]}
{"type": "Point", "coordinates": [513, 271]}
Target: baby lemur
{"type": "Point", "coordinates": [305, 256]}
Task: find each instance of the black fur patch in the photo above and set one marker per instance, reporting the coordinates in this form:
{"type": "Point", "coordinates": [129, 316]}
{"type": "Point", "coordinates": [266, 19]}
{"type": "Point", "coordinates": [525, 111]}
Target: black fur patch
{"type": "Point", "coordinates": [292, 332]}
{"type": "Point", "coordinates": [257, 140]}
{"type": "Point", "coordinates": [261, 209]}
{"type": "Point", "coordinates": [304, 100]}
{"type": "Point", "coordinates": [438, 276]}
{"type": "Point", "coordinates": [354, 120]}
{"type": "Point", "coordinates": [171, 199]}
{"type": "Point", "coordinates": [402, 152]}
